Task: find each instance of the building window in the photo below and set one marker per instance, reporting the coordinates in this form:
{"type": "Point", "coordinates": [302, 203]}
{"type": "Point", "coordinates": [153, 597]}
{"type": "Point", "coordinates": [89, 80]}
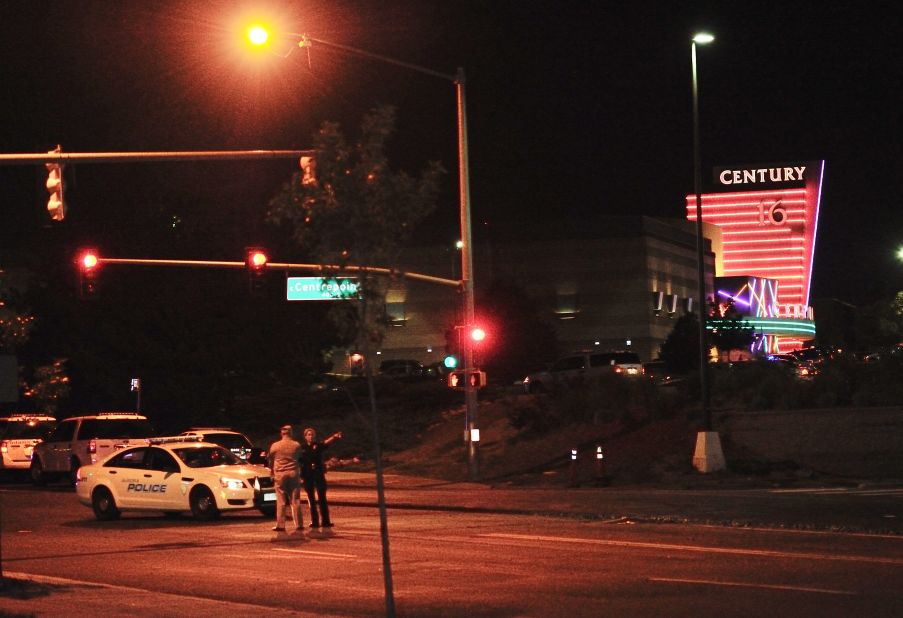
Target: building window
{"type": "Point", "coordinates": [395, 314]}
{"type": "Point", "coordinates": [566, 308]}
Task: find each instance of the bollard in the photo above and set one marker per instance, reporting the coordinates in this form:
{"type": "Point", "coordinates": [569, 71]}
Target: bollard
{"type": "Point", "coordinates": [601, 478]}
{"type": "Point", "coordinates": [574, 467]}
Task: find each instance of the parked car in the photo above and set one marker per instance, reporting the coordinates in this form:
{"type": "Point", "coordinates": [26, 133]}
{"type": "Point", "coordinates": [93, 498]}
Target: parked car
{"type": "Point", "coordinates": [85, 440]}
{"type": "Point", "coordinates": [19, 433]}
{"type": "Point", "coordinates": [401, 368]}
{"type": "Point", "coordinates": [238, 443]}
{"type": "Point", "coordinates": [583, 365]}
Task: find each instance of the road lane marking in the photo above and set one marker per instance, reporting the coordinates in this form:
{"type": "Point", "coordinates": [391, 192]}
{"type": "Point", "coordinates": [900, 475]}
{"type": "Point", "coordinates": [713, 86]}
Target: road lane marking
{"type": "Point", "coordinates": [767, 553]}
{"type": "Point", "coordinates": [850, 491]}
{"type": "Point", "coordinates": [322, 554]}
{"type": "Point", "coordinates": [706, 582]}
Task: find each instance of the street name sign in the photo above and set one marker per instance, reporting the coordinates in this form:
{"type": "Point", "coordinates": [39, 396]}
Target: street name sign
{"type": "Point", "coordinates": [320, 288]}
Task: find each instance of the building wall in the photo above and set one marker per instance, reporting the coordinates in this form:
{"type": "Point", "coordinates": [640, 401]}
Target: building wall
{"type": "Point", "coordinates": [598, 292]}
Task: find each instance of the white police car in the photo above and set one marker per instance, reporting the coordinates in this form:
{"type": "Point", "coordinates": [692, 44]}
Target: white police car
{"type": "Point", "coordinates": [174, 475]}
{"type": "Point", "coordinates": [19, 433]}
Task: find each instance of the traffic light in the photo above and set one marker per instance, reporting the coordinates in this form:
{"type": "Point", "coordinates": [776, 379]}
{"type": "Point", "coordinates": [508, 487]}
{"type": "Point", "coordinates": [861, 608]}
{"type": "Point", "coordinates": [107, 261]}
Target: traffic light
{"type": "Point", "coordinates": [88, 267]}
{"type": "Point", "coordinates": [477, 334]}
{"type": "Point", "coordinates": [55, 205]}
{"type": "Point", "coordinates": [450, 361]}
{"type": "Point", "coordinates": [256, 264]}
{"type": "Point", "coordinates": [458, 379]}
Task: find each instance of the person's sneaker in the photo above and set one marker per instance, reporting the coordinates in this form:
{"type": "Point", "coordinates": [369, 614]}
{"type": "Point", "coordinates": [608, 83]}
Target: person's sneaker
{"type": "Point", "coordinates": [328, 525]}
{"type": "Point", "coordinates": [313, 526]}
{"type": "Point", "coordinates": [278, 529]}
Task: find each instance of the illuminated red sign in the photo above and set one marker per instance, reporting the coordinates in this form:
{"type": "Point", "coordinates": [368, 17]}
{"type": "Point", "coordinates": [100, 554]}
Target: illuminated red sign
{"type": "Point", "coordinates": [768, 233]}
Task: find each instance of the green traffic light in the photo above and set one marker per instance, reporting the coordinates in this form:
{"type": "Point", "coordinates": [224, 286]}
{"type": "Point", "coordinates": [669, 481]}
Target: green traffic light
{"type": "Point", "coordinates": [451, 361]}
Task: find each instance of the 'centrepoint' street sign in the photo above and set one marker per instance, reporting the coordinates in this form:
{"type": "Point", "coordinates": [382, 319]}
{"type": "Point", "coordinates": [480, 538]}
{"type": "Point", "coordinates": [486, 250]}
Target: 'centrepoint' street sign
{"type": "Point", "coordinates": [318, 288]}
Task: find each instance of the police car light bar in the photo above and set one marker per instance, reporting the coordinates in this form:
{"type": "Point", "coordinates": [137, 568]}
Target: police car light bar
{"type": "Point", "coordinates": [169, 439]}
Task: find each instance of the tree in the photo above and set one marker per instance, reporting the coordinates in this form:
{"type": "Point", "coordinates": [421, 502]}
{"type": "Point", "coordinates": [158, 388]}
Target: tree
{"type": "Point", "coordinates": [728, 330]}
{"type": "Point", "coordinates": [49, 384]}
{"type": "Point", "coordinates": [520, 339]}
{"type": "Point", "coordinates": [349, 208]}
{"type": "Point", "coordinates": [680, 351]}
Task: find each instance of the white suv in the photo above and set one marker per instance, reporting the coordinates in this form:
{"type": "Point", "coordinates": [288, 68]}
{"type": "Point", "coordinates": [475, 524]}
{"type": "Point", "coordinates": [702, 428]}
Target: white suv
{"type": "Point", "coordinates": [84, 440]}
{"type": "Point", "coordinates": [583, 365]}
{"type": "Point", "coordinates": [19, 433]}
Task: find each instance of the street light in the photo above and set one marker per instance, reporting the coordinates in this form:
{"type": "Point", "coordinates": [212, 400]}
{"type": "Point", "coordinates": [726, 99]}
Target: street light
{"type": "Point", "coordinates": [702, 38]}
{"type": "Point", "coordinates": [708, 456]}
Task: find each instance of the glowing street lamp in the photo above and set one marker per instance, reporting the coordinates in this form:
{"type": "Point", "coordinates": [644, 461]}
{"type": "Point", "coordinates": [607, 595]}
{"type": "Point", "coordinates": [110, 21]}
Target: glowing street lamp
{"type": "Point", "coordinates": [258, 35]}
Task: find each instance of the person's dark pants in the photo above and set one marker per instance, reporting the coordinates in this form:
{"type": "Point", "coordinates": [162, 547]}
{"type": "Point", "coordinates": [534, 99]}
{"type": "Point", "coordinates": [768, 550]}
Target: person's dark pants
{"type": "Point", "coordinates": [317, 485]}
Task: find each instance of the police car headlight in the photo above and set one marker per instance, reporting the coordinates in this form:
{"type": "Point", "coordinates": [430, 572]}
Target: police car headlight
{"type": "Point", "coordinates": [228, 483]}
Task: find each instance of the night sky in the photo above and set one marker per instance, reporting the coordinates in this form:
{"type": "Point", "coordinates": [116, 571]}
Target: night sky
{"type": "Point", "coordinates": [576, 109]}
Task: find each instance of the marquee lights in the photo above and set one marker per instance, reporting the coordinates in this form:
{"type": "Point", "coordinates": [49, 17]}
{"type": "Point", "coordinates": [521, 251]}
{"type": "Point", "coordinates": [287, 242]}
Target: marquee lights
{"type": "Point", "coordinates": [769, 234]}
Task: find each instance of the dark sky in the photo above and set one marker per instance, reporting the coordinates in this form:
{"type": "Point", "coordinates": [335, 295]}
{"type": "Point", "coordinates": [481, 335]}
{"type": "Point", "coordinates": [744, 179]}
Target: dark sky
{"type": "Point", "coordinates": [576, 109]}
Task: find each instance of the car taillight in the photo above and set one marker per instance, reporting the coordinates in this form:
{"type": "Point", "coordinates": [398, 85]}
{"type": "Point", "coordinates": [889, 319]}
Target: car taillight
{"type": "Point", "coordinates": [92, 446]}
{"type": "Point", "coordinates": [618, 369]}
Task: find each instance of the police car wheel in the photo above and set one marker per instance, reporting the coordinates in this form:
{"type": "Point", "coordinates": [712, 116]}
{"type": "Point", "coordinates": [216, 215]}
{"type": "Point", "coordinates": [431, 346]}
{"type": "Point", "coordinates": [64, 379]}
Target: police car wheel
{"type": "Point", "coordinates": [104, 505]}
{"type": "Point", "coordinates": [203, 504]}
{"type": "Point", "coordinates": [37, 473]}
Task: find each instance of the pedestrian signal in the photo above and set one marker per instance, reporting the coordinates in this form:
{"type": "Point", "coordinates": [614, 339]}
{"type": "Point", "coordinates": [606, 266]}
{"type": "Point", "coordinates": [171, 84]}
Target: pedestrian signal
{"type": "Point", "coordinates": [459, 380]}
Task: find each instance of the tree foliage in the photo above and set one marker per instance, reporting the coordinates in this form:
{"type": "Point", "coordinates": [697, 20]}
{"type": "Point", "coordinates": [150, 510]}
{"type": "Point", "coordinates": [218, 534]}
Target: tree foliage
{"type": "Point", "coordinates": [351, 209]}
{"type": "Point", "coordinates": [728, 330]}
{"type": "Point", "coordinates": [15, 325]}
{"type": "Point", "coordinates": [680, 351]}
{"type": "Point", "coordinates": [520, 339]}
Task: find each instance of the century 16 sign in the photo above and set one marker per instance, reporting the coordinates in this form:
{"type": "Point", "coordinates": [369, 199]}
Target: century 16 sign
{"type": "Point", "coordinates": [768, 216]}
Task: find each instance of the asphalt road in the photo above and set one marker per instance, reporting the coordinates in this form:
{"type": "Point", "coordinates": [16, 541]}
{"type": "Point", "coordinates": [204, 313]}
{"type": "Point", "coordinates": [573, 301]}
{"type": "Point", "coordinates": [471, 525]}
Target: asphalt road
{"type": "Point", "coordinates": [459, 550]}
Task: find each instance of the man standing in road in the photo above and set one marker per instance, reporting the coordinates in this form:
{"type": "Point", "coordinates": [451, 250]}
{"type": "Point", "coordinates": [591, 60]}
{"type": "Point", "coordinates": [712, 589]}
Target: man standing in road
{"type": "Point", "coordinates": [283, 460]}
{"type": "Point", "coordinates": [313, 472]}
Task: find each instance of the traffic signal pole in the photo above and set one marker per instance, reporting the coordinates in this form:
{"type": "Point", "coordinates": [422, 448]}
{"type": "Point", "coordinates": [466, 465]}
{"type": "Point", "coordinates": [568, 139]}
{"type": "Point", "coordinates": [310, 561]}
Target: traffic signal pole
{"type": "Point", "coordinates": [331, 268]}
{"type": "Point", "coordinates": [166, 155]}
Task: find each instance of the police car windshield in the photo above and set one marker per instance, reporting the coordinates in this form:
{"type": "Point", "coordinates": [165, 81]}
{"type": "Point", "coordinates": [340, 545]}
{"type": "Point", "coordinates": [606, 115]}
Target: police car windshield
{"type": "Point", "coordinates": [207, 457]}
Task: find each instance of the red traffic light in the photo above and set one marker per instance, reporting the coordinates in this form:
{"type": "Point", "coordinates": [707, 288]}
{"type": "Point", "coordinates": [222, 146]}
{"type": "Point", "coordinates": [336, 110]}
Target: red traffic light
{"type": "Point", "coordinates": [88, 267]}
{"type": "Point", "coordinates": [256, 258]}
{"type": "Point", "coordinates": [477, 334]}
{"type": "Point", "coordinates": [88, 260]}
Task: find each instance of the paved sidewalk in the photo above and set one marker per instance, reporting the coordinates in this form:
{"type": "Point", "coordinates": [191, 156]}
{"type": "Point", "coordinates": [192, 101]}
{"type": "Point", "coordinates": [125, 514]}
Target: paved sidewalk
{"type": "Point", "coordinates": [875, 508]}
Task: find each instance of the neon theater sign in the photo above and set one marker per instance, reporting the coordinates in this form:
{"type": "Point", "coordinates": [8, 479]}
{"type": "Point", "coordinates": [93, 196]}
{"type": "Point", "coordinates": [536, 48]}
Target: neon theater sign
{"type": "Point", "coordinates": [768, 217]}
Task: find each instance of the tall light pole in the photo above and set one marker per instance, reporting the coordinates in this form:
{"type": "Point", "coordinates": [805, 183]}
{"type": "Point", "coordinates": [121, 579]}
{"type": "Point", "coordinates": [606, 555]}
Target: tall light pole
{"type": "Point", "coordinates": [708, 456]}
{"type": "Point", "coordinates": [703, 39]}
